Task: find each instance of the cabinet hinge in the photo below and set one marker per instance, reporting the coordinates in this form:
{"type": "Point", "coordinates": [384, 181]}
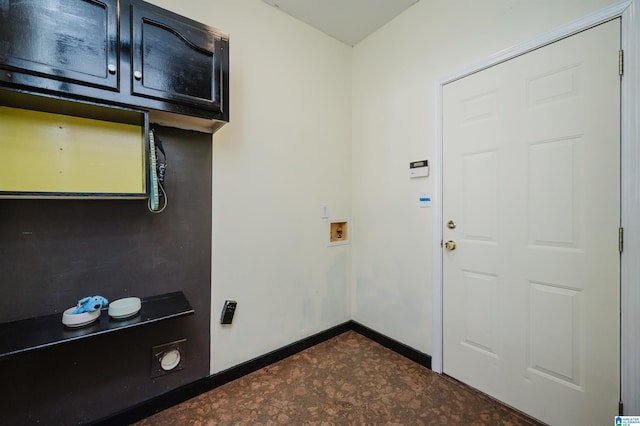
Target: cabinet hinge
{"type": "Point", "coordinates": [620, 239]}
{"type": "Point", "coordinates": [620, 62]}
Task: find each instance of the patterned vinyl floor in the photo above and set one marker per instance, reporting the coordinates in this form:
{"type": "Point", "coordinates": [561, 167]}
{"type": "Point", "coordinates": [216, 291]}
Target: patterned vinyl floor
{"type": "Point", "coordinates": [347, 380]}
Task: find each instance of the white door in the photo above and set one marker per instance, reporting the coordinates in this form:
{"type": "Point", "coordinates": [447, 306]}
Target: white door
{"type": "Point", "coordinates": [531, 184]}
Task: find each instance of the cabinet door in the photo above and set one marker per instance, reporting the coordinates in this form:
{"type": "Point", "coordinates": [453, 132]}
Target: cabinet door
{"type": "Point", "coordinates": [175, 59]}
{"type": "Point", "coordinates": [65, 41]}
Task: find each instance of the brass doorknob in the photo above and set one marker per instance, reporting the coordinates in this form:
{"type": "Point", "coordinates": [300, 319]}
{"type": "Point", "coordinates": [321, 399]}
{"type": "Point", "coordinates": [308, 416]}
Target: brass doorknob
{"type": "Point", "coordinates": [450, 245]}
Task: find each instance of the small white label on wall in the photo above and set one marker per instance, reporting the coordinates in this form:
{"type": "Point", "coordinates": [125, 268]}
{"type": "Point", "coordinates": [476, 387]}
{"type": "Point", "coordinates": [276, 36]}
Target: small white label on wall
{"type": "Point", "coordinates": [424, 199]}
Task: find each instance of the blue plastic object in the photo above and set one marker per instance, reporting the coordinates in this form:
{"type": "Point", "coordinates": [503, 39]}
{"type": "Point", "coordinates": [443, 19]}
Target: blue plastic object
{"type": "Point", "coordinates": [90, 304]}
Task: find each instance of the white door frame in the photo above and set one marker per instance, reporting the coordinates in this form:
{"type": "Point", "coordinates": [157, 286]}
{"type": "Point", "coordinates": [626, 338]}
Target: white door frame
{"type": "Point", "coordinates": [629, 11]}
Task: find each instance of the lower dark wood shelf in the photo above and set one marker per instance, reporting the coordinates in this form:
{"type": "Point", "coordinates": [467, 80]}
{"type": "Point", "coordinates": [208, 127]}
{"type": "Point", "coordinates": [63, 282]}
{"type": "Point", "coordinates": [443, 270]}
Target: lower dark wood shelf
{"type": "Point", "coordinates": [34, 333]}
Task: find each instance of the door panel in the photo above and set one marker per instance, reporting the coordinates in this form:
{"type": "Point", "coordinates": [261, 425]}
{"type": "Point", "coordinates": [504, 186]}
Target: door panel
{"type": "Point", "coordinates": [531, 178]}
{"type": "Point", "coordinates": [71, 41]}
{"type": "Point", "coordinates": [163, 44]}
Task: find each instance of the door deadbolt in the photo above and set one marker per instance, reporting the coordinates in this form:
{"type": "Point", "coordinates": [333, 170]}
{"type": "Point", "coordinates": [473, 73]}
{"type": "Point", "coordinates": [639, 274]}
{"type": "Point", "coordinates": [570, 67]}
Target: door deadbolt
{"type": "Point", "coordinates": [451, 224]}
{"type": "Point", "coordinates": [450, 245]}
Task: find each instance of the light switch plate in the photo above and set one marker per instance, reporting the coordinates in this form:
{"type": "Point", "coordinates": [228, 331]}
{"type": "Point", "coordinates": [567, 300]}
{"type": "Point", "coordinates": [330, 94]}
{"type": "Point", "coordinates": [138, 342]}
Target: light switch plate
{"type": "Point", "coordinates": [324, 211]}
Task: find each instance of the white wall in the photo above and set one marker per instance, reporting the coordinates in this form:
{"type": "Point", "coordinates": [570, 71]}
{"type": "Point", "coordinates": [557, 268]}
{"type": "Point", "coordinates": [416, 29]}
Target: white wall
{"type": "Point", "coordinates": [313, 121]}
{"type": "Point", "coordinates": [286, 150]}
{"type": "Point", "coordinates": [394, 71]}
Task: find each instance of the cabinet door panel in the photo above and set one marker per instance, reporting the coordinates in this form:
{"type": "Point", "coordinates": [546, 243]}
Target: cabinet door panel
{"type": "Point", "coordinates": [175, 60]}
{"type": "Point", "coordinates": [69, 41]}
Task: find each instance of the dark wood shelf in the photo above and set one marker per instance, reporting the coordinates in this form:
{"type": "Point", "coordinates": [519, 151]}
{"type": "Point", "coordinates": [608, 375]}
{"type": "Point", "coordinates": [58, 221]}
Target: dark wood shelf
{"type": "Point", "coordinates": [34, 333]}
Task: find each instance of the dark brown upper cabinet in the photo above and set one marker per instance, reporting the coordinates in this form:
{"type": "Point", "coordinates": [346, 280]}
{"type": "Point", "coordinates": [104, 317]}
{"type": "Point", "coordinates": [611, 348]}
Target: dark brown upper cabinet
{"type": "Point", "coordinates": [175, 59]}
{"type": "Point", "coordinates": [114, 52]}
{"type": "Point", "coordinates": [68, 41]}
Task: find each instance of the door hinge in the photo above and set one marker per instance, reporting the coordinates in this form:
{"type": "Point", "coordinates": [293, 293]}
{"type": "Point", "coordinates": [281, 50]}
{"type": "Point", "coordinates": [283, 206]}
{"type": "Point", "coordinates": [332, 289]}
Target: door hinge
{"type": "Point", "coordinates": [620, 62]}
{"type": "Point", "coordinates": [620, 239]}
{"type": "Point", "coordinates": [620, 409]}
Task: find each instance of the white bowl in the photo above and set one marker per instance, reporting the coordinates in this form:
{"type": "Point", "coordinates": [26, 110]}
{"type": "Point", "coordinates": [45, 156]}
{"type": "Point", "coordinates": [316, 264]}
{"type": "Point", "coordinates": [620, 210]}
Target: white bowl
{"type": "Point", "coordinates": [124, 308]}
{"type": "Point", "coordinates": [78, 320]}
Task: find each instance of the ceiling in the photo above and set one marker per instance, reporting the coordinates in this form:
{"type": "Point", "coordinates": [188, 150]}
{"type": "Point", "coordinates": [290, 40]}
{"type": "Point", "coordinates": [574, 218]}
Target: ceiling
{"type": "Point", "coordinates": [349, 21]}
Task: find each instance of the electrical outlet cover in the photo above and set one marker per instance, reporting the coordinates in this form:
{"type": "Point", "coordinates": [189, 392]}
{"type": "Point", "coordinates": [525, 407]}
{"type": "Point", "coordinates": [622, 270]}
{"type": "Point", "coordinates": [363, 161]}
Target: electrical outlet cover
{"type": "Point", "coordinates": [168, 357]}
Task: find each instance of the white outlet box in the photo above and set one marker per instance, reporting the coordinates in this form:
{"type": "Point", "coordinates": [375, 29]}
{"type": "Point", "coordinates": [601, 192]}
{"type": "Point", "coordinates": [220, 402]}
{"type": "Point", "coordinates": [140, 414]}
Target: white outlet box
{"type": "Point", "coordinates": [168, 358]}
